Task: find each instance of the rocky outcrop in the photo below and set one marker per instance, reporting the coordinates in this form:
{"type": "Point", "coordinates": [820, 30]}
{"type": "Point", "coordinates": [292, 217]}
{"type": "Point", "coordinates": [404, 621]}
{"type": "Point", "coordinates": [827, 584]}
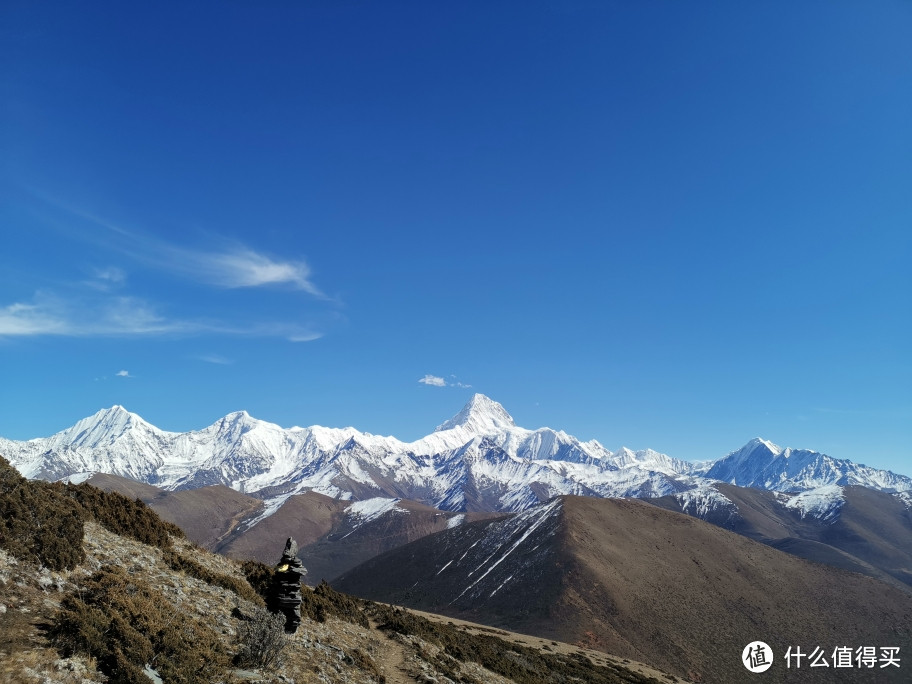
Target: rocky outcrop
{"type": "Point", "coordinates": [285, 592]}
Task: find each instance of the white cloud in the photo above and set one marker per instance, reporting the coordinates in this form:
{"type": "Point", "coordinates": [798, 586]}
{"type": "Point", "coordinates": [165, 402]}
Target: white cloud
{"type": "Point", "coordinates": [216, 359]}
{"type": "Point", "coordinates": [123, 374]}
{"type": "Point", "coordinates": [229, 264]}
{"type": "Point", "coordinates": [103, 315]}
{"type": "Point", "coordinates": [435, 381]}
{"type": "Point", "coordinates": [304, 337]}
{"type": "Point", "coordinates": [30, 319]}
{"type": "Point", "coordinates": [106, 279]}
{"type": "Point", "coordinates": [98, 305]}
{"type": "Point", "coordinates": [111, 274]}
{"type": "Point", "coordinates": [242, 267]}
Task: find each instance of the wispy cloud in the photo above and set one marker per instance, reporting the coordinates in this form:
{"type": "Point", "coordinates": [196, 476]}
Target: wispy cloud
{"type": "Point", "coordinates": [101, 304]}
{"type": "Point", "coordinates": [103, 315]}
{"type": "Point", "coordinates": [111, 274]}
{"type": "Point", "coordinates": [123, 374]}
{"type": "Point", "coordinates": [436, 381]}
{"type": "Point", "coordinates": [242, 267]}
{"type": "Point", "coordinates": [124, 316]}
{"type": "Point", "coordinates": [228, 264]}
{"type": "Point", "coordinates": [304, 337]}
{"type": "Point", "coordinates": [216, 359]}
{"type": "Point", "coordinates": [47, 314]}
{"type": "Point", "coordinates": [30, 319]}
{"type": "Point", "coordinates": [106, 279]}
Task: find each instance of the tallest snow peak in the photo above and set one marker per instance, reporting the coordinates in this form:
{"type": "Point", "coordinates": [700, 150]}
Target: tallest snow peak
{"type": "Point", "coordinates": [481, 414]}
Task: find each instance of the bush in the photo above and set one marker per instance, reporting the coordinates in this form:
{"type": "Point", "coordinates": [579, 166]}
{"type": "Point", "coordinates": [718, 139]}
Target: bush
{"type": "Point", "coordinates": [520, 664]}
{"type": "Point", "coordinates": [38, 522]}
{"type": "Point", "coordinates": [259, 576]}
{"type": "Point", "coordinates": [125, 624]}
{"type": "Point", "coordinates": [124, 516]}
{"type": "Point", "coordinates": [176, 561]}
{"type": "Point", "coordinates": [325, 601]}
{"type": "Point", "coordinates": [261, 640]}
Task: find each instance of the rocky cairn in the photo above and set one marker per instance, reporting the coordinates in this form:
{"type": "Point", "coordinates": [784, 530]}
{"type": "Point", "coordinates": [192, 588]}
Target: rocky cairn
{"type": "Point", "coordinates": [285, 592]}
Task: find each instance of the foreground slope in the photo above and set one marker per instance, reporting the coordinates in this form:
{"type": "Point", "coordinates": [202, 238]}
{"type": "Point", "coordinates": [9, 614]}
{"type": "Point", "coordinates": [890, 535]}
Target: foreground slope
{"type": "Point", "coordinates": [641, 582]}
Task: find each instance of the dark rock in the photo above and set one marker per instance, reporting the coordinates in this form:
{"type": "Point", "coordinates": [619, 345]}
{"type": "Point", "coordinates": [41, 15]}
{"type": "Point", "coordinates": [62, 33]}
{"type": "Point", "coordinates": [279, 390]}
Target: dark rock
{"type": "Point", "coordinates": [285, 590]}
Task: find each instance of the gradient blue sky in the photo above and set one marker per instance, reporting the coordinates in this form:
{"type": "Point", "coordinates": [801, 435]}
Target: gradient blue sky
{"type": "Point", "coordinates": [675, 225]}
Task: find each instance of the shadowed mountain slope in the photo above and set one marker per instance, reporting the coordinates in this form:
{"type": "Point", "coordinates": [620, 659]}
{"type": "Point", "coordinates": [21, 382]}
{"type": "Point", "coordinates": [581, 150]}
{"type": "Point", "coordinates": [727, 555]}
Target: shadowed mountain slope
{"type": "Point", "coordinates": [629, 578]}
{"type": "Point", "coordinates": [865, 530]}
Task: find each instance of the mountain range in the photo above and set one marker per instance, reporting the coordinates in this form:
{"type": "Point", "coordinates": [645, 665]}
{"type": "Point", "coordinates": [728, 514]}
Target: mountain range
{"type": "Point", "coordinates": [479, 460]}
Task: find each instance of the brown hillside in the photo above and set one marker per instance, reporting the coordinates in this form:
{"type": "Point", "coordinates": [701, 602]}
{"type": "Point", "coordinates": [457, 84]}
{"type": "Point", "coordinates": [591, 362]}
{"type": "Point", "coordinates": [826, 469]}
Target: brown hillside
{"type": "Point", "coordinates": [306, 517]}
{"type": "Point", "coordinates": [206, 515]}
{"type": "Point", "coordinates": [331, 542]}
{"type": "Point", "coordinates": [218, 518]}
{"type": "Point", "coordinates": [644, 583]}
{"type": "Point", "coordinates": [872, 534]}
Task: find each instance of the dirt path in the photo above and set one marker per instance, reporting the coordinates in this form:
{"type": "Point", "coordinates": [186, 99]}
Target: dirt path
{"type": "Point", "coordinates": [391, 661]}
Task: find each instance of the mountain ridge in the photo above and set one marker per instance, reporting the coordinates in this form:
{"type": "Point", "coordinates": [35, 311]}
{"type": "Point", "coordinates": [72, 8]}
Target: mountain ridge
{"type": "Point", "coordinates": [477, 460]}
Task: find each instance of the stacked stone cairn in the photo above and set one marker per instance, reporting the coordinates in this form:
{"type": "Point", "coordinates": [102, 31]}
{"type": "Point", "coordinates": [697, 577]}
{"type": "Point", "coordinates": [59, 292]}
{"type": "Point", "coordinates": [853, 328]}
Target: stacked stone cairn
{"type": "Point", "coordinates": [285, 592]}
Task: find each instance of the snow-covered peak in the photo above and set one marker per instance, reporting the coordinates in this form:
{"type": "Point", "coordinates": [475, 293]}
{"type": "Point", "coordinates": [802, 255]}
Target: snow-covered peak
{"type": "Point", "coordinates": [102, 428]}
{"type": "Point", "coordinates": [481, 415]}
{"type": "Point", "coordinates": [239, 419]}
{"type": "Point", "coordinates": [759, 442]}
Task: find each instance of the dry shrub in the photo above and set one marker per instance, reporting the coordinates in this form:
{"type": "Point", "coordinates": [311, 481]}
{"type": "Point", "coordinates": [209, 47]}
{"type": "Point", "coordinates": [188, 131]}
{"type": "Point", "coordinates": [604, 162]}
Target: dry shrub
{"type": "Point", "coordinates": [365, 663]}
{"type": "Point", "coordinates": [259, 576]}
{"type": "Point", "coordinates": [124, 516]}
{"type": "Point", "coordinates": [178, 562]}
{"type": "Point", "coordinates": [324, 601]}
{"type": "Point", "coordinates": [520, 664]}
{"type": "Point", "coordinates": [38, 522]}
{"type": "Point", "coordinates": [125, 624]}
{"type": "Point", "coordinates": [261, 640]}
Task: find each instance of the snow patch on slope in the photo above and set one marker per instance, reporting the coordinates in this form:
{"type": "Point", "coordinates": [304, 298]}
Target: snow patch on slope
{"type": "Point", "coordinates": [371, 509]}
{"type": "Point", "coordinates": [533, 518]}
{"type": "Point", "coordinates": [77, 478]}
{"type": "Point", "coordinates": [703, 500]}
{"type": "Point", "coordinates": [823, 503]}
{"type": "Point", "coordinates": [905, 497]}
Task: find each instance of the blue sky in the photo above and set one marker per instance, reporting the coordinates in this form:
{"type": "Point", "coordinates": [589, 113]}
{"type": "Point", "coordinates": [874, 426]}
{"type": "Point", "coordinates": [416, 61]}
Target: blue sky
{"type": "Point", "coordinates": [656, 224]}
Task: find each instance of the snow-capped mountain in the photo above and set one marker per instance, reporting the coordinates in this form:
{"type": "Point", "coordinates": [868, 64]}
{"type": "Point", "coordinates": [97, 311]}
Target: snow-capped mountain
{"type": "Point", "coordinates": [478, 460]}
{"type": "Point", "coordinates": [764, 465]}
{"type": "Point", "coordinates": [806, 481]}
